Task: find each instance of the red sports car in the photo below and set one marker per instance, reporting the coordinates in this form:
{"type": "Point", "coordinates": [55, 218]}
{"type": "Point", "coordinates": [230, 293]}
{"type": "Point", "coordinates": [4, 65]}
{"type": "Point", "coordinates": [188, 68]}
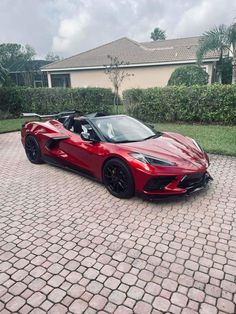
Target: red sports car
{"type": "Point", "coordinates": [125, 154]}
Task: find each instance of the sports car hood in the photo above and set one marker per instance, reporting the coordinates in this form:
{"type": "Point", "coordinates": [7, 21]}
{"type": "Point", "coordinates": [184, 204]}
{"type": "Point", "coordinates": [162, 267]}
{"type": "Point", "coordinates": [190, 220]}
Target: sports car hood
{"type": "Point", "coordinates": [172, 147]}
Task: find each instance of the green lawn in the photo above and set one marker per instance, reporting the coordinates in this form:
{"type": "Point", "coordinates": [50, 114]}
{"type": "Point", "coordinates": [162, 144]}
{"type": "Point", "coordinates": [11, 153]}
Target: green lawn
{"type": "Point", "coordinates": [213, 138]}
{"type": "Point", "coordinates": [9, 125]}
{"type": "Point", "coordinates": [216, 139]}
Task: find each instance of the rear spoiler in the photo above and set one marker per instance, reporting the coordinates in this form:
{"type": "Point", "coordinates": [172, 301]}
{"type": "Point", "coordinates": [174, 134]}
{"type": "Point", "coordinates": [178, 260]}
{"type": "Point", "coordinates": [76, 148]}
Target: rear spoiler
{"type": "Point", "coordinates": [46, 116]}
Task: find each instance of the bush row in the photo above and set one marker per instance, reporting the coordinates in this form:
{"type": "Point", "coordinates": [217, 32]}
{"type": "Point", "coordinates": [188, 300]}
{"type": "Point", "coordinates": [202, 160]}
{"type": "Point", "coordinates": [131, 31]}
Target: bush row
{"type": "Point", "coordinates": [14, 101]}
{"type": "Point", "coordinates": [204, 104]}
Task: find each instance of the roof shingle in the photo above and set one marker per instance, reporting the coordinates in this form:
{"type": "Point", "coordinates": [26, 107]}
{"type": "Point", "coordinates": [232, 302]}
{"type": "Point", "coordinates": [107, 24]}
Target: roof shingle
{"type": "Point", "coordinates": [132, 52]}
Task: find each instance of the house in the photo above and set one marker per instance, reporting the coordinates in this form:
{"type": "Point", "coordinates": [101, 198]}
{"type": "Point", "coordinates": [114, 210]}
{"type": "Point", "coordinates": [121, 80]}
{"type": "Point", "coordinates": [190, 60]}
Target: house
{"type": "Point", "coordinates": [151, 63]}
{"type": "Point", "coordinates": [28, 73]}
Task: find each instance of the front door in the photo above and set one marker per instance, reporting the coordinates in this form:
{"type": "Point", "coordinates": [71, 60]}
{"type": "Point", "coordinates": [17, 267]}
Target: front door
{"type": "Point", "coordinates": [83, 155]}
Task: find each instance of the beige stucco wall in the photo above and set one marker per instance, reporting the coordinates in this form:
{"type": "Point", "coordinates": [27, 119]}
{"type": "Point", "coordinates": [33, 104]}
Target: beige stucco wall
{"type": "Point", "coordinates": [143, 77]}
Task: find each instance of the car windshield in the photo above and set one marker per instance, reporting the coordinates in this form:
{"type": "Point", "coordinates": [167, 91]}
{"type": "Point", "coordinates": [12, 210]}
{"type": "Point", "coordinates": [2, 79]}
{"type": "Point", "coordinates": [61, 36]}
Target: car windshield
{"type": "Point", "coordinates": [124, 129]}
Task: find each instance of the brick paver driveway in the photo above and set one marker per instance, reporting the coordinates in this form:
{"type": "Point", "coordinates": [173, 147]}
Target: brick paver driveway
{"type": "Point", "coordinates": [68, 246]}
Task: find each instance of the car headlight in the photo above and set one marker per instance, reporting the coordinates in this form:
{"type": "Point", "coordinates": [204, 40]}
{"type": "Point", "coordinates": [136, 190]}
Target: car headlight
{"type": "Point", "coordinates": [152, 160]}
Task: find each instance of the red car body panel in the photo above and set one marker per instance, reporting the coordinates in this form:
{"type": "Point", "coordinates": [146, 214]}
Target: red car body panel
{"type": "Point", "coordinates": [90, 157]}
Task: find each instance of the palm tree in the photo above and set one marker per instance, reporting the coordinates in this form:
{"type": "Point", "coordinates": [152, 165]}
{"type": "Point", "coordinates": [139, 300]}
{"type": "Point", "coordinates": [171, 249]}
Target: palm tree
{"type": "Point", "coordinates": [232, 36]}
{"type": "Point", "coordinates": [158, 34]}
{"type": "Point", "coordinates": [221, 38]}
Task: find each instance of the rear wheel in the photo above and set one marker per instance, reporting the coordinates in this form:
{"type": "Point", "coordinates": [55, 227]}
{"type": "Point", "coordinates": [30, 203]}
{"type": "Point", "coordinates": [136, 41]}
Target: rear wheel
{"type": "Point", "coordinates": [32, 150]}
{"type": "Point", "coordinates": [118, 179]}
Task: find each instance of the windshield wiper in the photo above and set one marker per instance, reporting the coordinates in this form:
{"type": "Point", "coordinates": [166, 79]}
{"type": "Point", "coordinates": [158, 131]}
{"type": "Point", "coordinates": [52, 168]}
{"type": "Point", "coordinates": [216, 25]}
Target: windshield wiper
{"type": "Point", "coordinates": [153, 136]}
{"type": "Point", "coordinates": [142, 139]}
{"type": "Point", "coordinates": [118, 142]}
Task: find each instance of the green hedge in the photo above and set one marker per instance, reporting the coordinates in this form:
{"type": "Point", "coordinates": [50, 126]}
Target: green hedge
{"type": "Point", "coordinates": [188, 75]}
{"type": "Point", "coordinates": [14, 101]}
{"type": "Point", "coordinates": [204, 104]}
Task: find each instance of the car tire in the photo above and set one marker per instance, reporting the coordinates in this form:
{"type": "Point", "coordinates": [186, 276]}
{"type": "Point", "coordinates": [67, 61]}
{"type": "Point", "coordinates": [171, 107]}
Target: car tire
{"type": "Point", "coordinates": [32, 150]}
{"type": "Point", "coordinates": [118, 178]}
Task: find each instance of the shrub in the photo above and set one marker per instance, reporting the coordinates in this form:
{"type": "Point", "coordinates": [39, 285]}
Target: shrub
{"type": "Point", "coordinates": [188, 75]}
{"type": "Point", "coordinates": [203, 104]}
{"type": "Point", "coordinates": [15, 100]}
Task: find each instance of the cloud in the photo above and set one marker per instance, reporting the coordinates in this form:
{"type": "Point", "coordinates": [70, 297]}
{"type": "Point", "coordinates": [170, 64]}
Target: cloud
{"type": "Point", "coordinates": [204, 15]}
{"type": "Point", "coordinates": [27, 22]}
{"type": "Point", "coordinates": [96, 22]}
{"type": "Point", "coordinates": [72, 31]}
{"type": "Point", "coordinates": [68, 27]}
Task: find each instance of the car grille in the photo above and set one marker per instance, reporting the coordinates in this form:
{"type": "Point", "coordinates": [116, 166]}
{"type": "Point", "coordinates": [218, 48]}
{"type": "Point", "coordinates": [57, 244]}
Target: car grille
{"type": "Point", "coordinates": [192, 180]}
{"type": "Point", "coordinates": [158, 183]}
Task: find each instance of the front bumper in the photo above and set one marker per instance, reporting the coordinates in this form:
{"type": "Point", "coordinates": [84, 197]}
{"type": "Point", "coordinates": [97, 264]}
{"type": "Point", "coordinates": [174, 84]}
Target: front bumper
{"type": "Point", "coordinates": [176, 184]}
{"type": "Point", "coordinates": [195, 182]}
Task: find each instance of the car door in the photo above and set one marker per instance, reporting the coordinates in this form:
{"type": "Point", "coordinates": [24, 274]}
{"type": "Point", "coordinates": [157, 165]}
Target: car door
{"type": "Point", "coordinates": [82, 155]}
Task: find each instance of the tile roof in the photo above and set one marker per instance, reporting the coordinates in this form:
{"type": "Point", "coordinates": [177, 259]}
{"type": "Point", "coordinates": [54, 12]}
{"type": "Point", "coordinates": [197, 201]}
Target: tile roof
{"type": "Point", "coordinates": [132, 52]}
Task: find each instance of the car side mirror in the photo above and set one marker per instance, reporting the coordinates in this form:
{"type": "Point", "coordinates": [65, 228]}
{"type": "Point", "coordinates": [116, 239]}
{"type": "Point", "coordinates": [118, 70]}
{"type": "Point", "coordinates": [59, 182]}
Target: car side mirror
{"type": "Point", "coordinates": [88, 137]}
{"type": "Point", "coordinates": [85, 136]}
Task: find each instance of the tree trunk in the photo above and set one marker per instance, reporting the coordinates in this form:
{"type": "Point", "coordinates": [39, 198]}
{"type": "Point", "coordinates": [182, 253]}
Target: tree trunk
{"type": "Point", "coordinates": [234, 64]}
{"type": "Point", "coordinates": [114, 102]}
{"type": "Point", "coordinates": [117, 100]}
{"type": "Point", "coordinates": [219, 74]}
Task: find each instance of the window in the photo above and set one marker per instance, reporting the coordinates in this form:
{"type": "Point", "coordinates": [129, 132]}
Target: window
{"type": "Point", "coordinates": [60, 80]}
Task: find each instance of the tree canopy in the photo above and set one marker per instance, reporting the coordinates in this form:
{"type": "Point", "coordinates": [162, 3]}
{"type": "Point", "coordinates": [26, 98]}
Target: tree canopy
{"type": "Point", "coordinates": [221, 39]}
{"type": "Point", "coordinates": [51, 56]}
{"type": "Point", "coordinates": [11, 53]}
{"type": "Point", "coordinates": [158, 34]}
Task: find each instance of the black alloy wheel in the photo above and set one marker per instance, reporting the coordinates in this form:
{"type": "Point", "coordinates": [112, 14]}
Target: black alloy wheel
{"type": "Point", "coordinates": [118, 178]}
{"type": "Point", "coordinates": [32, 150]}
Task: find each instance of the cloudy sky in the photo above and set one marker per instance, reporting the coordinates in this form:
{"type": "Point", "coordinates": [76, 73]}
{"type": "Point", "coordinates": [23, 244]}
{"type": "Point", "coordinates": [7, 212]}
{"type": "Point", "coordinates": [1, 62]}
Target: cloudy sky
{"type": "Point", "coordinates": [67, 27]}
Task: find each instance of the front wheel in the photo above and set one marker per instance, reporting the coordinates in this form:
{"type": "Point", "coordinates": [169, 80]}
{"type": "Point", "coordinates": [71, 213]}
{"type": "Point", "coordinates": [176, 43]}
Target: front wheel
{"type": "Point", "coordinates": [118, 178]}
{"type": "Point", "coordinates": [32, 150]}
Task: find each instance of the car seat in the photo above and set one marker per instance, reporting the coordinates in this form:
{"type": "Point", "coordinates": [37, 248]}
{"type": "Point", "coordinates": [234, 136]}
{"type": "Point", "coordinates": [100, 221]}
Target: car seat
{"type": "Point", "coordinates": [77, 127]}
